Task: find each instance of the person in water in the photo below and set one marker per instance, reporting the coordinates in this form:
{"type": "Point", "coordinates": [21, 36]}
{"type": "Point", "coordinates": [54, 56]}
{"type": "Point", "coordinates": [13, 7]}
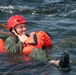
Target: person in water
{"type": "Point", "coordinates": [30, 44]}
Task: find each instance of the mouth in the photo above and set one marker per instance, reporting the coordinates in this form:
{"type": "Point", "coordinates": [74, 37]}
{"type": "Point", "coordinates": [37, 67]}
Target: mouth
{"type": "Point", "coordinates": [23, 32]}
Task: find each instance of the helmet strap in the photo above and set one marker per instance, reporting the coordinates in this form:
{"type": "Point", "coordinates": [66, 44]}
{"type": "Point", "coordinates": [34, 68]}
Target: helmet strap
{"type": "Point", "coordinates": [11, 30]}
{"type": "Point", "coordinates": [16, 31]}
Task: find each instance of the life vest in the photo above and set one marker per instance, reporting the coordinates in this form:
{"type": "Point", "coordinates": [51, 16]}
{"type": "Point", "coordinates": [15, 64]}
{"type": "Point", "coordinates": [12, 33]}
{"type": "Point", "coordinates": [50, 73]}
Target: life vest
{"type": "Point", "coordinates": [47, 39]}
{"type": "Point", "coordinates": [2, 49]}
{"type": "Point", "coordinates": [42, 40]}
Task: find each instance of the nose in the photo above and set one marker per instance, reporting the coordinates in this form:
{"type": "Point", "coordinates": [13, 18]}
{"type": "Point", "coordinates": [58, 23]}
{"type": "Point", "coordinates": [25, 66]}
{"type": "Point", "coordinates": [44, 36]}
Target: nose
{"type": "Point", "coordinates": [24, 28]}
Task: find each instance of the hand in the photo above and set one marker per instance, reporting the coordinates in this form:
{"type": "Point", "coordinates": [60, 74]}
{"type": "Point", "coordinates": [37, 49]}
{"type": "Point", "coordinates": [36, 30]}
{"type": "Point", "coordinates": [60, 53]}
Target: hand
{"type": "Point", "coordinates": [32, 33]}
{"type": "Point", "coordinates": [22, 38]}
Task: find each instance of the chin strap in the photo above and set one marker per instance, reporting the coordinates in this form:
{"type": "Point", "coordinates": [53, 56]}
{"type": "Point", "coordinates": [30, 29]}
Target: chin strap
{"type": "Point", "coordinates": [16, 31]}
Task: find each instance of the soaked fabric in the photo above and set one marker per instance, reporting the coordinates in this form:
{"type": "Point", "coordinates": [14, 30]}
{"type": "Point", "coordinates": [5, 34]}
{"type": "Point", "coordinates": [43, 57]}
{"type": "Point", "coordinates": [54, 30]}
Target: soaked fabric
{"type": "Point", "coordinates": [67, 42]}
{"type": "Point", "coordinates": [39, 54]}
{"type": "Point", "coordinates": [13, 45]}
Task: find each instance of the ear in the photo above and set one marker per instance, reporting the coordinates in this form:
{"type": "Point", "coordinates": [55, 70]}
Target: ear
{"type": "Point", "coordinates": [13, 30]}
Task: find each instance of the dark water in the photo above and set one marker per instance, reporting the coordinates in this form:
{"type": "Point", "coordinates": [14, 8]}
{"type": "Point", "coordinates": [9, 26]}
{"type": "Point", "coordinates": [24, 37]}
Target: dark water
{"type": "Point", "coordinates": [58, 18]}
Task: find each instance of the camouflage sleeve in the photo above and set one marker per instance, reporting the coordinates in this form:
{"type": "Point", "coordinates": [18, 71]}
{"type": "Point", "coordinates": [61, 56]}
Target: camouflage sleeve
{"type": "Point", "coordinates": [39, 54]}
{"type": "Point", "coordinates": [13, 45]}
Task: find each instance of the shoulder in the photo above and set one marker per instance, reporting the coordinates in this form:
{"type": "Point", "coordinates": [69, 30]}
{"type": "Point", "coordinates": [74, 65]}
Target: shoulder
{"type": "Point", "coordinates": [11, 39]}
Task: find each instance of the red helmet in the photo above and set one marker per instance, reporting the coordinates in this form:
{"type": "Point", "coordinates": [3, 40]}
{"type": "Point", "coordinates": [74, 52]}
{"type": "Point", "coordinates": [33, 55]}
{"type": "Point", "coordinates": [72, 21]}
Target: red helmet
{"type": "Point", "coordinates": [15, 20]}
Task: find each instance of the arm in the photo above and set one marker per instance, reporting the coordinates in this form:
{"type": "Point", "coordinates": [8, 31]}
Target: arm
{"type": "Point", "coordinates": [13, 45]}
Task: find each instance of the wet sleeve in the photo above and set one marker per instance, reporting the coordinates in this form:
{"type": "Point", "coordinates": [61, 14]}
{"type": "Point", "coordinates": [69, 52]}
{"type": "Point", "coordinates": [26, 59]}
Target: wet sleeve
{"type": "Point", "coordinates": [13, 45]}
{"type": "Point", "coordinates": [39, 54]}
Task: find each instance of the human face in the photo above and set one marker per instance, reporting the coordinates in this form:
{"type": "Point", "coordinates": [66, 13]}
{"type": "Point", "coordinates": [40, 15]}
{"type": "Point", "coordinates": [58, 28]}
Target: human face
{"type": "Point", "coordinates": [21, 29]}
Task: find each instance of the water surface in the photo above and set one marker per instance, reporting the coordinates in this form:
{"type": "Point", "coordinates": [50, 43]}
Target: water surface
{"type": "Point", "coordinates": [57, 17]}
